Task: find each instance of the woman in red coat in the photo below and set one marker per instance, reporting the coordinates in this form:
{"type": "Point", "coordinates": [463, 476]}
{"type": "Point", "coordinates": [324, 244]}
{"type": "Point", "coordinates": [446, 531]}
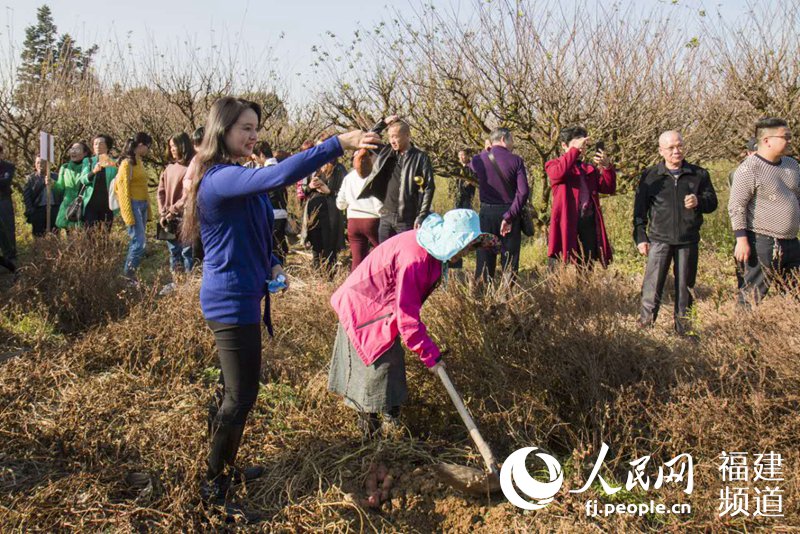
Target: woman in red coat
{"type": "Point", "coordinates": [577, 231]}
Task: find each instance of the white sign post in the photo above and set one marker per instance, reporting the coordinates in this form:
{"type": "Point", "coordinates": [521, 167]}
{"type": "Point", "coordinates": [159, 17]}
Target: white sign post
{"type": "Point", "coordinates": [47, 153]}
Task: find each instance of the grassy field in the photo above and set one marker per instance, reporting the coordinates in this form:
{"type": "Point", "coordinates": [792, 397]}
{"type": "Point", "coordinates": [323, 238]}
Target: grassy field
{"type": "Point", "coordinates": [103, 392]}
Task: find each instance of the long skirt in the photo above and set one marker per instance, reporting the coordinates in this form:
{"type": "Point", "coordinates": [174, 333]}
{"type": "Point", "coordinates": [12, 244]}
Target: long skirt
{"type": "Point", "coordinates": [372, 388]}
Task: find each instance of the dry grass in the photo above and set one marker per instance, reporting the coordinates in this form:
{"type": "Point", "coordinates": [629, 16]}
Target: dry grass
{"type": "Point", "coordinates": [75, 283]}
{"type": "Point", "coordinates": [120, 384]}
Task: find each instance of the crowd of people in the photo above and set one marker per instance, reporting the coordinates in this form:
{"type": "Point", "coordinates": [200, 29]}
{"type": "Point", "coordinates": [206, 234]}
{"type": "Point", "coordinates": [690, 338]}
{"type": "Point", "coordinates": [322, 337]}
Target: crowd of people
{"type": "Point", "coordinates": [223, 200]}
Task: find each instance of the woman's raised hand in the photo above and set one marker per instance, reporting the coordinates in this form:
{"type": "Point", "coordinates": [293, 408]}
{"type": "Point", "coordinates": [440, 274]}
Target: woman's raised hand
{"type": "Point", "coordinates": [358, 139]}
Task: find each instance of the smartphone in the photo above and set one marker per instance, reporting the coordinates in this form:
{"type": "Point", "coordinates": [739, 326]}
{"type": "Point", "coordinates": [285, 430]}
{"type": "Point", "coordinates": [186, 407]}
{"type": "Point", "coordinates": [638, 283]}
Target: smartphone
{"type": "Point", "coordinates": [600, 146]}
{"type": "Point", "coordinates": [276, 285]}
{"type": "Point", "coordinates": [379, 127]}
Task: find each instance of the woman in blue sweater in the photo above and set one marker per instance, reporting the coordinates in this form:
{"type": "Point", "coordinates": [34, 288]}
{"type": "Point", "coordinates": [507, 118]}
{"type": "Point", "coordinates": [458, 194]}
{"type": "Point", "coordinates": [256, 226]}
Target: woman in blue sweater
{"type": "Point", "coordinates": [229, 208]}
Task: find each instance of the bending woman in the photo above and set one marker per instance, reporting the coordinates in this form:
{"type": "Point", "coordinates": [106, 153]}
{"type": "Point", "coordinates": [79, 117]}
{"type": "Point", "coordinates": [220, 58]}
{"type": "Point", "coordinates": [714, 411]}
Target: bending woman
{"type": "Point", "coordinates": [229, 208]}
{"type": "Point", "coordinates": [379, 305]}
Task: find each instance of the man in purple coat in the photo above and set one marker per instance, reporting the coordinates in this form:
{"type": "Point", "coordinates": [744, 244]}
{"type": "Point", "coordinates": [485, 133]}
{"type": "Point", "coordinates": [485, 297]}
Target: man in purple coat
{"type": "Point", "coordinates": [503, 190]}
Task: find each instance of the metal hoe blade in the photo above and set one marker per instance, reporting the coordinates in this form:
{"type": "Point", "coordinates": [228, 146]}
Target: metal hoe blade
{"type": "Point", "coordinates": [468, 479]}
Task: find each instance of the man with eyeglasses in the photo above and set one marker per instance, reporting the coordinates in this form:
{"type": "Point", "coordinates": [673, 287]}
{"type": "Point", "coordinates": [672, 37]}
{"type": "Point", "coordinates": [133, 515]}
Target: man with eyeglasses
{"type": "Point", "coordinates": [764, 208]}
{"type": "Point", "coordinates": [668, 212]}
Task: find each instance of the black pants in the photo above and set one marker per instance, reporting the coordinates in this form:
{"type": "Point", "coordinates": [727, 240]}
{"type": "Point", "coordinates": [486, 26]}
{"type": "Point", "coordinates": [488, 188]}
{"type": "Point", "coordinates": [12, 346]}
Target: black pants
{"type": "Point", "coordinates": [491, 217]}
{"type": "Point", "coordinates": [684, 266]}
{"type": "Point", "coordinates": [38, 220]}
{"type": "Point", "coordinates": [280, 243]}
{"type": "Point", "coordinates": [391, 225]}
{"type": "Point", "coordinates": [588, 250]}
{"type": "Point", "coordinates": [94, 217]}
{"type": "Point", "coordinates": [322, 234]}
{"type": "Point", "coordinates": [463, 202]}
{"type": "Point", "coordinates": [771, 260]}
{"type": "Point", "coordinates": [587, 239]}
{"type": "Point", "coordinates": [8, 239]}
{"type": "Point", "coordinates": [239, 349]}
{"type": "Point", "coordinates": [323, 248]}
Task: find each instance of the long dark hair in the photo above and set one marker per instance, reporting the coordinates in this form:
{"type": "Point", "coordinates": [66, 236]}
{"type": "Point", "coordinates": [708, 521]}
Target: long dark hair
{"type": "Point", "coordinates": [183, 143]}
{"type": "Point", "coordinates": [223, 115]}
{"type": "Point", "coordinates": [129, 152]}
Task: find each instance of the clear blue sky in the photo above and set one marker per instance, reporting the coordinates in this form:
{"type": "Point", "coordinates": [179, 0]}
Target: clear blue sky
{"type": "Point", "coordinates": [290, 27]}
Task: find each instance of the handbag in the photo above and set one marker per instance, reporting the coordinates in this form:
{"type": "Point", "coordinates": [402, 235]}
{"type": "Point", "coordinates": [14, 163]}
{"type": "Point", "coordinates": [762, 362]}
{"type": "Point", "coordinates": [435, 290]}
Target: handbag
{"type": "Point", "coordinates": [526, 213]}
{"type": "Point", "coordinates": [75, 208]}
{"type": "Point", "coordinates": [170, 231]}
{"type": "Point", "coordinates": [113, 199]}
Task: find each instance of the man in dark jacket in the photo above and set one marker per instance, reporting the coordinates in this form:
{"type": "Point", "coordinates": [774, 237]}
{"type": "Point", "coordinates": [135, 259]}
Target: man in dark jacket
{"type": "Point", "coordinates": [34, 195]}
{"type": "Point", "coordinates": [401, 178]}
{"type": "Point", "coordinates": [9, 240]}
{"type": "Point", "coordinates": [672, 197]}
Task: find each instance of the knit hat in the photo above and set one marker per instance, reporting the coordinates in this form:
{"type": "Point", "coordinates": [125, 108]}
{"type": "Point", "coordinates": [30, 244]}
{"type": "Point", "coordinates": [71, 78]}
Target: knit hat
{"type": "Point", "coordinates": [444, 237]}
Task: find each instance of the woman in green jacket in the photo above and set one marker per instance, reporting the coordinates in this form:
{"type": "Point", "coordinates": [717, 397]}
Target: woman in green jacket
{"type": "Point", "coordinates": [72, 176]}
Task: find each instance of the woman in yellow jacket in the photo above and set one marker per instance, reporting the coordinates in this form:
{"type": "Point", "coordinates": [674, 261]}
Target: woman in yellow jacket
{"type": "Point", "coordinates": [131, 190]}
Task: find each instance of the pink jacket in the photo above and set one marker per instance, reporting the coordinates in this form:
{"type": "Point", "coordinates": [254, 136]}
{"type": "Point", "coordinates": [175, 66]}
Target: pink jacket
{"type": "Point", "coordinates": [383, 297]}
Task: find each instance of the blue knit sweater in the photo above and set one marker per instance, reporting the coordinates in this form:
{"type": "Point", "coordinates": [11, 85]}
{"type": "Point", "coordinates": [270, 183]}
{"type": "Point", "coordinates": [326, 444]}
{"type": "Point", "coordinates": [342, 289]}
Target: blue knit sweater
{"type": "Point", "coordinates": [236, 223]}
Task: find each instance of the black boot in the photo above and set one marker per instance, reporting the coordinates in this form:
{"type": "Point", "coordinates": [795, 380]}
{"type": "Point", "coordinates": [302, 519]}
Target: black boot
{"type": "Point", "coordinates": [214, 495]}
{"type": "Point", "coordinates": [239, 476]}
{"type": "Point", "coordinates": [248, 474]}
{"type": "Point", "coordinates": [214, 491]}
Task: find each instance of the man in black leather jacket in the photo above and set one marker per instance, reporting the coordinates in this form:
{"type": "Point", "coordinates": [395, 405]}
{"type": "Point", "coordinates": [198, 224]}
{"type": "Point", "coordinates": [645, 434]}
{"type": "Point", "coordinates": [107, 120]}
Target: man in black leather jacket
{"type": "Point", "coordinates": [401, 178]}
{"type": "Point", "coordinates": [672, 197]}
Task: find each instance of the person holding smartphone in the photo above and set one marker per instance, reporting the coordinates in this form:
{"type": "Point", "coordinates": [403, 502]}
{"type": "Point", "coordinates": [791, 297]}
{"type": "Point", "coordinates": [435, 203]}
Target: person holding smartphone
{"type": "Point", "coordinates": [577, 231]}
{"type": "Point", "coordinates": [671, 199]}
{"type": "Point", "coordinates": [402, 178]}
{"type": "Point", "coordinates": [228, 207]}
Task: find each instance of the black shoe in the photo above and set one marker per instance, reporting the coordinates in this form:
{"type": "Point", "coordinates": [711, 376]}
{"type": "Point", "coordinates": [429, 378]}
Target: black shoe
{"type": "Point", "coordinates": [248, 474]}
{"type": "Point", "coordinates": [215, 491]}
{"type": "Point", "coordinates": [214, 495]}
{"type": "Point", "coordinates": [233, 513]}
{"type": "Point", "coordinates": [685, 329]}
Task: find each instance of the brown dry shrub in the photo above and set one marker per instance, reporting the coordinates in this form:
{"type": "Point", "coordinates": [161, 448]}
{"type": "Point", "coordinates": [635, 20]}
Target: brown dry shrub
{"type": "Point", "coordinates": [162, 336]}
{"type": "Point", "coordinates": [74, 282]}
{"type": "Point", "coordinates": [555, 362]}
